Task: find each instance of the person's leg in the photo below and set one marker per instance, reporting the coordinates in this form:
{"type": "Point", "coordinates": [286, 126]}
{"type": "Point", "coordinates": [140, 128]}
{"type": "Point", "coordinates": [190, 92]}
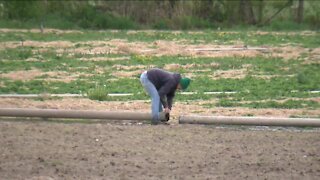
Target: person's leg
{"type": "Point", "coordinates": [155, 99]}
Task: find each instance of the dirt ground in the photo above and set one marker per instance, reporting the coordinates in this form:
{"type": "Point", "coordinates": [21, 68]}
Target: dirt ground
{"type": "Point", "coordinates": [40, 150]}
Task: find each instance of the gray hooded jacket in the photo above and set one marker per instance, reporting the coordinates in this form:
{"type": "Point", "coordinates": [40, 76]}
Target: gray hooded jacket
{"type": "Point", "coordinates": [166, 83]}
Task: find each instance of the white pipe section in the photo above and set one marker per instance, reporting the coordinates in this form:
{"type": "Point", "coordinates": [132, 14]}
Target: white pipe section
{"type": "Point", "coordinates": [38, 95]}
{"type": "Point", "coordinates": [77, 114]}
{"type": "Point", "coordinates": [256, 121]}
{"type": "Point", "coordinates": [120, 94]}
{"type": "Point", "coordinates": [229, 49]}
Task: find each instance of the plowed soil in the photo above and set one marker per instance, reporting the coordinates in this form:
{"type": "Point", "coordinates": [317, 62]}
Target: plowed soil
{"type": "Point", "coordinates": [101, 150]}
{"type": "Point", "coordinates": [45, 149]}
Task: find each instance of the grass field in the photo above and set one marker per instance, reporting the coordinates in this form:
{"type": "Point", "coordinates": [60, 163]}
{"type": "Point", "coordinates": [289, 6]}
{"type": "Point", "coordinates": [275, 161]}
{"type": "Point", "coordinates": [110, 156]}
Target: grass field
{"type": "Point", "coordinates": [286, 75]}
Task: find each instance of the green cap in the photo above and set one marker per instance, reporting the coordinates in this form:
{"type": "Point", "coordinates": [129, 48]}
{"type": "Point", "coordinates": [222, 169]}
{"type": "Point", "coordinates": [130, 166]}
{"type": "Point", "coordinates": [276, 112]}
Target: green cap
{"type": "Point", "coordinates": [184, 82]}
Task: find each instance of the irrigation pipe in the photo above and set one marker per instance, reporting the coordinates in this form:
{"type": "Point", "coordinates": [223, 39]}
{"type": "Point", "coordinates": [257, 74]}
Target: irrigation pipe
{"type": "Point", "coordinates": [120, 94]}
{"type": "Point", "coordinates": [255, 121]}
{"type": "Point", "coordinates": [76, 114]}
{"type": "Point", "coordinates": [80, 95]}
{"type": "Point", "coordinates": [186, 119]}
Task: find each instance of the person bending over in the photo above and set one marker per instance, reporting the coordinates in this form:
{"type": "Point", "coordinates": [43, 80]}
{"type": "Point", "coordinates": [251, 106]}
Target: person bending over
{"type": "Point", "coordinates": [161, 86]}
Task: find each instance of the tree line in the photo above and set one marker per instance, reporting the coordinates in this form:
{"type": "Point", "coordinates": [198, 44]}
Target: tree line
{"type": "Point", "coordinates": [159, 14]}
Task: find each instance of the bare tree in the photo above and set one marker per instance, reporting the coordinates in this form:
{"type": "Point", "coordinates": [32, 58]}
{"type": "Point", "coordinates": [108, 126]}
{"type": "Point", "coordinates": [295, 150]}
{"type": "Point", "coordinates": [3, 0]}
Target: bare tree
{"type": "Point", "coordinates": [205, 9]}
{"type": "Point", "coordinates": [246, 12]}
{"type": "Point", "coordinates": [171, 9]}
{"type": "Point", "coordinates": [260, 11]}
{"type": "Point", "coordinates": [300, 11]}
{"type": "Point", "coordinates": [289, 3]}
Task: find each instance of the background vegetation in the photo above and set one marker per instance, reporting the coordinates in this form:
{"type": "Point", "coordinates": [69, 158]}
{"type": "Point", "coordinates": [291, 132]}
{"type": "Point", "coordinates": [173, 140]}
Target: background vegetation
{"type": "Point", "coordinates": [160, 14]}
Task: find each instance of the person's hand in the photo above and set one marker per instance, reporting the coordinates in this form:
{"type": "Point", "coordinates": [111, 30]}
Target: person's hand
{"type": "Point", "coordinates": [167, 110]}
{"type": "Point", "coordinates": [167, 117]}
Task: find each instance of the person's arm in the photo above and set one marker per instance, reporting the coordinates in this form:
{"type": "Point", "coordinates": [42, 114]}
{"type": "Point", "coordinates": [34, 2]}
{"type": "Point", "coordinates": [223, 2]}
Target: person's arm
{"type": "Point", "coordinates": [163, 92]}
{"type": "Point", "coordinates": [170, 99]}
{"type": "Point", "coordinates": [164, 101]}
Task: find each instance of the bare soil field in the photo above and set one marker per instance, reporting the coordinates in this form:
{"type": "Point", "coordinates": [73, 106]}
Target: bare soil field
{"type": "Point", "coordinates": [101, 150]}
{"type": "Point", "coordinates": [40, 149]}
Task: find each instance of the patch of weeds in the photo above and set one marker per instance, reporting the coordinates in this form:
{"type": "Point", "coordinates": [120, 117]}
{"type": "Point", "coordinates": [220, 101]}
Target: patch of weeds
{"type": "Point", "coordinates": [19, 53]}
{"type": "Point", "coordinates": [138, 59]}
{"type": "Point", "coordinates": [98, 93]}
{"type": "Point", "coordinates": [309, 77]}
{"type": "Point", "coordinates": [303, 78]}
{"type": "Point", "coordinates": [13, 87]}
{"type": "Point", "coordinates": [24, 53]}
{"type": "Point", "coordinates": [226, 103]}
{"type": "Point", "coordinates": [74, 87]}
{"type": "Point", "coordinates": [251, 88]}
{"type": "Point", "coordinates": [53, 62]}
{"type": "Point", "coordinates": [23, 87]}
{"type": "Point", "coordinates": [125, 84]}
{"type": "Point", "coordinates": [42, 86]}
{"type": "Point", "coordinates": [51, 55]}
